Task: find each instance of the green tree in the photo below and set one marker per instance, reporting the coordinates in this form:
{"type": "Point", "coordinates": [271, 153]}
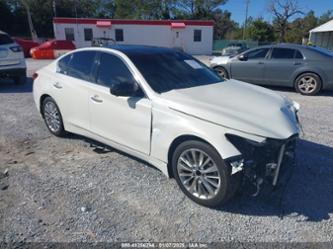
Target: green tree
{"type": "Point", "coordinates": [224, 27]}
{"type": "Point", "coordinates": [327, 16]}
{"type": "Point", "coordinates": [260, 30]}
{"type": "Point", "coordinates": [300, 27]}
{"type": "Point", "coordinates": [198, 9]}
{"type": "Point", "coordinates": [283, 11]}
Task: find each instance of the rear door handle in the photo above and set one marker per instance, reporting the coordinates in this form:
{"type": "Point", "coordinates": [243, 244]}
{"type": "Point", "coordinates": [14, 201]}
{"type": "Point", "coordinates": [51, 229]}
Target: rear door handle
{"type": "Point", "coordinates": [96, 98]}
{"type": "Point", "coordinates": [260, 63]}
{"type": "Point", "coordinates": [57, 85]}
{"type": "Point", "coordinates": [297, 63]}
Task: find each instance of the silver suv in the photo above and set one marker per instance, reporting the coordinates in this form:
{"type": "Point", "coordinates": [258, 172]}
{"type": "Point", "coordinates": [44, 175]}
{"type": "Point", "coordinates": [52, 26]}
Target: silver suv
{"type": "Point", "coordinates": [12, 62]}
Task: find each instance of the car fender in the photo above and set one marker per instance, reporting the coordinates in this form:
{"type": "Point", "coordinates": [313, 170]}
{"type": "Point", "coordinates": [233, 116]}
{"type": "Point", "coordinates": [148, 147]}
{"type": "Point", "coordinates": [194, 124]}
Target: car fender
{"type": "Point", "coordinates": [168, 125]}
{"type": "Point", "coordinates": [308, 69]}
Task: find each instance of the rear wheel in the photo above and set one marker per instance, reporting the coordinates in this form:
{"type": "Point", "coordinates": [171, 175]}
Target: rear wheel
{"type": "Point", "coordinates": [52, 117]}
{"type": "Point", "coordinates": [308, 84]}
{"type": "Point", "coordinates": [202, 174]}
{"type": "Point", "coordinates": [222, 72]}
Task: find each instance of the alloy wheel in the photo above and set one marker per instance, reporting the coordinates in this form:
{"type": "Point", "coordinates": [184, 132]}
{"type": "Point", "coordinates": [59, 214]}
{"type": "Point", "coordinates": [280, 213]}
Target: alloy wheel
{"type": "Point", "coordinates": [199, 174]}
{"type": "Point", "coordinates": [307, 84]}
{"type": "Point", "coordinates": [52, 116]}
{"type": "Point", "coordinates": [221, 72]}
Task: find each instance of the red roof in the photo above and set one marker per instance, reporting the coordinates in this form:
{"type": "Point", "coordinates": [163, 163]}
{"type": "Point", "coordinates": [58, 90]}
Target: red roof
{"type": "Point", "coordinates": [103, 23]}
{"type": "Point", "coordinates": [178, 25]}
{"type": "Point", "coordinates": [133, 22]}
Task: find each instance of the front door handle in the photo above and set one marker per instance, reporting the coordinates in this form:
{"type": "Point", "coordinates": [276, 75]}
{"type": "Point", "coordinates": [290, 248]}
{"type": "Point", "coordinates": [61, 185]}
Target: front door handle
{"type": "Point", "coordinates": [96, 98]}
{"type": "Point", "coordinates": [57, 85]}
{"type": "Point", "coordinates": [297, 63]}
{"type": "Point", "coordinates": [260, 63]}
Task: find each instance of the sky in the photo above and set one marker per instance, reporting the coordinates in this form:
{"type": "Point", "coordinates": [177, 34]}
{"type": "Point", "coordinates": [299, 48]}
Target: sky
{"type": "Point", "coordinates": [258, 8]}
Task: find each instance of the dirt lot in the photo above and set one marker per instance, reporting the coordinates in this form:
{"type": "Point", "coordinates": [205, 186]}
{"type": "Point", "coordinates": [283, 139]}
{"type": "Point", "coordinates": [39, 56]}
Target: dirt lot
{"type": "Point", "coordinates": [74, 189]}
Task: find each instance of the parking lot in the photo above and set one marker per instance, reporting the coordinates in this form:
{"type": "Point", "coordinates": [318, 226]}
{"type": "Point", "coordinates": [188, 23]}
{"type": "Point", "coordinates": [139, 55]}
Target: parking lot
{"type": "Point", "coordinates": [74, 189]}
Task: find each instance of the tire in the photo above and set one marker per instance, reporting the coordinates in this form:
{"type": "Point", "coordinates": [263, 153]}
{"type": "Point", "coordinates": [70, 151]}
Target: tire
{"type": "Point", "coordinates": [222, 72]}
{"type": "Point", "coordinates": [308, 84]}
{"type": "Point", "coordinates": [52, 117]}
{"type": "Point", "coordinates": [224, 185]}
{"type": "Point", "coordinates": [20, 80]}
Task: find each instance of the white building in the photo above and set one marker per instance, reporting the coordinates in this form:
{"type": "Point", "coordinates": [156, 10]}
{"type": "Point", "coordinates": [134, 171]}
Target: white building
{"type": "Point", "coordinates": [323, 35]}
{"type": "Point", "coordinates": [194, 37]}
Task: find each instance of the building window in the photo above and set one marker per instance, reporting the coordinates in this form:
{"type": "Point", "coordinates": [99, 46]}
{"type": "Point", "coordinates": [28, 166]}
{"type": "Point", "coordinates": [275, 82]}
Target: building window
{"type": "Point", "coordinates": [69, 34]}
{"type": "Point", "coordinates": [88, 34]}
{"type": "Point", "coordinates": [119, 35]}
{"type": "Point", "coordinates": [197, 35]}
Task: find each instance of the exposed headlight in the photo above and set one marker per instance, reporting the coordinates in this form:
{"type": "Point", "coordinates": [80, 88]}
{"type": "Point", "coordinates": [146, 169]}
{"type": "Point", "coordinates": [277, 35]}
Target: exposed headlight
{"type": "Point", "coordinates": [292, 105]}
{"type": "Point", "coordinates": [296, 106]}
{"type": "Point", "coordinates": [237, 165]}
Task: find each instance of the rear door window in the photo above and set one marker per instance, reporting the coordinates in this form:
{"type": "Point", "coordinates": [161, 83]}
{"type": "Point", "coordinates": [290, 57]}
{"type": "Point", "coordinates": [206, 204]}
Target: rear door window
{"type": "Point", "coordinates": [63, 64]}
{"type": "Point", "coordinates": [283, 53]}
{"type": "Point", "coordinates": [5, 39]}
{"type": "Point", "coordinates": [81, 65]}
{"type": "Point", "coordinates": [298, 55]}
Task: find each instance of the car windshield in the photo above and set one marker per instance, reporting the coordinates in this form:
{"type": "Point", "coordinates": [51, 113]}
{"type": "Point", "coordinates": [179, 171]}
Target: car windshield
{"type": "Point", "coordinates": [166, 71]}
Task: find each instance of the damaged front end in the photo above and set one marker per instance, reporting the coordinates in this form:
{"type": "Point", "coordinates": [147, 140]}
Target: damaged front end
{"type": "Point", "coordinates": [264, 164]}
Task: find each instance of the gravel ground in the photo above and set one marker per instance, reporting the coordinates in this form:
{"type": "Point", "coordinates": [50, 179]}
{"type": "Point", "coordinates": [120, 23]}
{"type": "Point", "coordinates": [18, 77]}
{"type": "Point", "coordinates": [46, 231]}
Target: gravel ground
{"type": "Point", "coordinates": [74, 189]}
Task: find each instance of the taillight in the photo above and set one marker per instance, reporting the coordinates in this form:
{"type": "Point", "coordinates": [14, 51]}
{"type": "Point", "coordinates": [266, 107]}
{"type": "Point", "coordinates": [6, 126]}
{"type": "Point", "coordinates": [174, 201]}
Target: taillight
{"type": "Point", "coordinates": [34, 76]}
{"type": "Point", "coordinates": [16, 49]}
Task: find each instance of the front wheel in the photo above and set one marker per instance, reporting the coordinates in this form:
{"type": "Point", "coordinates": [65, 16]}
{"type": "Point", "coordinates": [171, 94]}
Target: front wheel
{"type": "Point", "coordinates": [202, 174]}
{"type": "Point", "coordinates": [308, 84]}
{"type": "Point", "coordinates": [222, 72]}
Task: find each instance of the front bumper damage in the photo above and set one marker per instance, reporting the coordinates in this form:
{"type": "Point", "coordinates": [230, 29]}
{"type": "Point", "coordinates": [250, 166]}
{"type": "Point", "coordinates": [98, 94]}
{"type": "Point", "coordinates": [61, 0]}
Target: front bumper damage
{"type": "Point", "coordinates": [264, 164]}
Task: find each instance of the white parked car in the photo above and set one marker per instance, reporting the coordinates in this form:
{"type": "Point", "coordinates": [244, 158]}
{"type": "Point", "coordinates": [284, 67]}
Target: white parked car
{"type": "Point", "coordinates": [12, 62]}
{"type": "Point", "coordinates": [167, 108]}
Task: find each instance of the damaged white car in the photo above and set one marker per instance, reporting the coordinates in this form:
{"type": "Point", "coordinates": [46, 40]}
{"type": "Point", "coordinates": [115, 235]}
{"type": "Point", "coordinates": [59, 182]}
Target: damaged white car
{"type": "Point", "coordinates": [169, 109]}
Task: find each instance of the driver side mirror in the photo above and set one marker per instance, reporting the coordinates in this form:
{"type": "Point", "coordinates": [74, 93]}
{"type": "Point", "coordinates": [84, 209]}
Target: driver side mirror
{"type": "Point", "coordinates": [124, 89]}
{"type": "Point", "coordinates": [242, 57]}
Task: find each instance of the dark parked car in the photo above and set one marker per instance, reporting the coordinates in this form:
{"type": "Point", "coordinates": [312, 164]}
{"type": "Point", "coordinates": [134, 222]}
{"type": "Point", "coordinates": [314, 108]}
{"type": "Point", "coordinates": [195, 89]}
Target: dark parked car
{"type": "Point", "coordinates": [307, 69]}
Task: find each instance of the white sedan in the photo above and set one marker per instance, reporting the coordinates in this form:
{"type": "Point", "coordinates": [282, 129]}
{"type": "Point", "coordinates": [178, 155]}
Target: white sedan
{"type": "Point", "coordinates": [167, 108]}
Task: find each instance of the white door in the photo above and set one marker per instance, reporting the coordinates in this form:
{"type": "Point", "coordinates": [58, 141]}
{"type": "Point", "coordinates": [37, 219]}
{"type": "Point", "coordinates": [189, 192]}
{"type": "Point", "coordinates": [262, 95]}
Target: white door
{"type": "Point", "coordinates": [124, 120]}
{"type": "Point", "coordinates": [177, 39]}
{"type": "Point", "coordinates": [71, 88]}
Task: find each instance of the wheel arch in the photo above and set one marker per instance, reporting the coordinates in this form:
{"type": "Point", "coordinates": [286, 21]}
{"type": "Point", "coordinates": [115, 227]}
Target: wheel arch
{"type": "Point", "coordinates": [41, 100]}
{"type": "Point", "coordinates": [177, 141]}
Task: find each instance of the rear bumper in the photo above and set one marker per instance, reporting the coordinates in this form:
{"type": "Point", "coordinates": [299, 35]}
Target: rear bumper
{"type": "Point", "coordinates": [12, 72]}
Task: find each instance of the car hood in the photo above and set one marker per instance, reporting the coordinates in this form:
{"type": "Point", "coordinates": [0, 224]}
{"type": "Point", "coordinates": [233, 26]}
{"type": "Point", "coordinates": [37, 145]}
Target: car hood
{"type": "Point", "coordinates": [239, 106]}
{"type": "Point", "coordinates": [220, 60]}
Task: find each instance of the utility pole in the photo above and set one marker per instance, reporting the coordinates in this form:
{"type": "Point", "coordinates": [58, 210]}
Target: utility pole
{"type": "Point", "coordinates": [247, 2]}
{"type": "Point", "coordinates": [31, 26]}
{"type": "Point", "coordinates": [54, 6]}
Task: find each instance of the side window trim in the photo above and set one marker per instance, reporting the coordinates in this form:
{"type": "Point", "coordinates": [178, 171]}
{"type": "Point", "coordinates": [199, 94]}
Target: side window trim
{"type": "Point", "coordinates": [267, 56]}
{"type": "Point", "coordinates": [98, 61]}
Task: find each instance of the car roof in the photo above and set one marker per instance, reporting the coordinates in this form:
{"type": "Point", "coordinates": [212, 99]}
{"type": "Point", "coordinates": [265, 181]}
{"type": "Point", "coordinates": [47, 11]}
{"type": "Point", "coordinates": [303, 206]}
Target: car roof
{"type": "Point", "coordinates": [285, 45]}
{"type": "Point", "coordinates": [139, 49]}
